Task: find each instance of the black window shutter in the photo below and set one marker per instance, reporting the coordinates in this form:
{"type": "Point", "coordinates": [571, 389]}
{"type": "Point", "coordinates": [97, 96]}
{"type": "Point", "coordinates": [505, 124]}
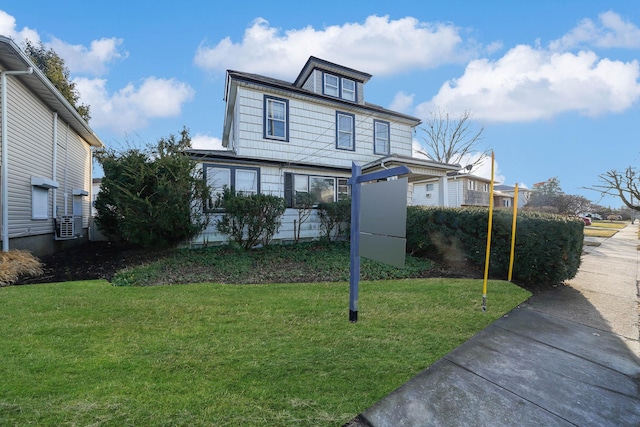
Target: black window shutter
{"type": "Point", "coordinates": [288, 189]}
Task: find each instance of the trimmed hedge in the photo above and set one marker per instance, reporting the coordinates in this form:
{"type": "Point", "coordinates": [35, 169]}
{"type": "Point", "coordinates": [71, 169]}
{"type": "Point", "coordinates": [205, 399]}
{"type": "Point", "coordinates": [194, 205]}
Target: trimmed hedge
{"type": "Point", "coordinates": [547, 250]}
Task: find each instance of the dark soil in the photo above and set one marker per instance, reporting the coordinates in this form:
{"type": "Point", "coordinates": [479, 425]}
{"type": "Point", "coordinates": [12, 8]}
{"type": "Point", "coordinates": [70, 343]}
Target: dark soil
{"type": "Point", "coordinates": [94, 260]}
{"type": "Point", "coordinates": [102, 260]}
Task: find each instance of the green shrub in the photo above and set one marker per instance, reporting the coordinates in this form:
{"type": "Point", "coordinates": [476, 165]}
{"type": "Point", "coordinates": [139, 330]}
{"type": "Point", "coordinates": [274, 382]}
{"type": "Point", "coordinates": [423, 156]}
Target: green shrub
{"type": "Point", "coordinates": [151, 197]}
{"type": "Point", "coordinates": [335, 218]}
{"type": "Point", "coordinates": [547, 250]}
{"type": "Point", "coordinates": [250, 219]}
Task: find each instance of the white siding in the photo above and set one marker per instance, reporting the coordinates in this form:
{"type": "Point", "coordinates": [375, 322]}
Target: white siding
{"type": "Point", "coordinates": [422, 197]}
{"type": "Point", "coordinates": [30, 134]}
{"type": "Point", "coordinates": [73, 172]}
{"type": "Point", "coordinates": [456, 192]}
{"type": "Point", "coordinates": [312, 128]}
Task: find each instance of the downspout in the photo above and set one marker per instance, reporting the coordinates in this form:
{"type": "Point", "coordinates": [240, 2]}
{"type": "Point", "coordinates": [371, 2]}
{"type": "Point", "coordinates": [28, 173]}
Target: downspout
{"type": "Point", "coordinates": [66, 166]}
{"type": "Point", "coordinates": [5, 156]}
{"type": "Point", "coordinates": [54, 169]}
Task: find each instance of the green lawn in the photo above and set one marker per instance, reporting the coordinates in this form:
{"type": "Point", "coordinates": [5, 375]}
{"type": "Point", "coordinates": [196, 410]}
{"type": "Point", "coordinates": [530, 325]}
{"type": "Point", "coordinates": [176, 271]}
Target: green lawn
{"type": "Point", "coordinates": [88, 353]}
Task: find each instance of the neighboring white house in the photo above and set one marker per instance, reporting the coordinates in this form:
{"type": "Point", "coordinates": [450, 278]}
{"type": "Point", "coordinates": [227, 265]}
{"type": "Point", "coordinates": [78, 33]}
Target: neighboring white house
{"type": "Point", "coordinates": [285, 139]}
{"type": "Point", "coordinates": [45, 181]}
{"type": "Point", "coordinates": [463, 190]}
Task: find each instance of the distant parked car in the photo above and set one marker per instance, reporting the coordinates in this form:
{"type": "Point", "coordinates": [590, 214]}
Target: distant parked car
{"type": "Point", "coordinates": [614, 217]}
{"type": "Point", "coordinates": [587, 220]}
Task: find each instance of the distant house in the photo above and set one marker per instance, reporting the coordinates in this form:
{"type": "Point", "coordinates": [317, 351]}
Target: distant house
{"type": "Point", "coordinates": [46, 160]}
{"type": "Point", "coordinates": [524, 194]}
{"type": "Point", "coordinates": [289, 138]}
{"type": "Point", "coordinates": [463, 190]}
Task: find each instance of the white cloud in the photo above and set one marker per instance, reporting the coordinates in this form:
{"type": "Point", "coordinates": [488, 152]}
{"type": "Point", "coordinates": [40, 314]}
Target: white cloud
{"type": "Point", "coordinates": [132, 107]}
{"type": "Point", "coordinates": [610, 32]}
{"type": "Point", "coordinates": [92, 60]}
{"type": "Point", "coordinates": [402, 102]}
{"type": "Point", "coordinates": [8, 28]}
{"type": "Point", "coordinates": [529, 84]}
{"type": "Point", "coordinates": [380, 45]}
{"type": "Point", "coordinates": [206, 142]}
{"type": "Point", "coordinates": [418, 150]}
{"type": "Point", "coordinates": [483, 169]}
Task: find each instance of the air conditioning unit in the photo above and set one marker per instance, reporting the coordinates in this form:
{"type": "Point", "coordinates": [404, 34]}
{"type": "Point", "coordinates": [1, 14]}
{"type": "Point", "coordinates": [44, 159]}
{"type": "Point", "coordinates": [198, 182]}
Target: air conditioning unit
{"type": "Point", "coordinates": [68, 227]}
{"type": "Point", "coordinates": [65, 227]}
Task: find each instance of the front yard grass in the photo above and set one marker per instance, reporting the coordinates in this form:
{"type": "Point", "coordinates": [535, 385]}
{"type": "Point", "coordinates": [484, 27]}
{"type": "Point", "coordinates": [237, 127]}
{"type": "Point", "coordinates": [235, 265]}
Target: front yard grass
{"type": "Point", "coordinates": [89, 353]}
{"type": "Point", "coordinates": [304, 262]}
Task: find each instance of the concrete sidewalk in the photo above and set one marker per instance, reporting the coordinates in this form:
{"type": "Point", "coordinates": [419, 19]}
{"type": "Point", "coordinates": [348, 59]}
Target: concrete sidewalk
{"type": "Point", "coordinates": [567, 357]}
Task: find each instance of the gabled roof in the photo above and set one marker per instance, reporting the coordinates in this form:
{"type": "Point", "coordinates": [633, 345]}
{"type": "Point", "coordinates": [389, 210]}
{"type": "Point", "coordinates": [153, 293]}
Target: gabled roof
{"type": "Point", "coordinates": [13, 59]}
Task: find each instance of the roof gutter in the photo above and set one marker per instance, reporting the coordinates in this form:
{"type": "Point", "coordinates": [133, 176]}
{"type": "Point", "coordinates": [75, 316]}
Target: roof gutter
{"type": "Point", "coordinates": [5, 157]}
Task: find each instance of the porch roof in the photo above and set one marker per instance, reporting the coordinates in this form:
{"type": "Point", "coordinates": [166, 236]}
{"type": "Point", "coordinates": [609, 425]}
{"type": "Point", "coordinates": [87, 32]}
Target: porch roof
{"type": "Point", "coordinates": [421, 169]}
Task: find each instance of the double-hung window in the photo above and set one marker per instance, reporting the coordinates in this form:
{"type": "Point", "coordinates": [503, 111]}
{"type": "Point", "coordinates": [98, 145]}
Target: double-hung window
{"type": "Point", "coordinates": [243, 180]}
{"type": "Point", "coordinates": [345, 131]}
{"type": "Point", "coordinates": [380, 137]}
{"type": "Point", "coordinates": [276, 118]}
{"type": "Point", "coordinates": [331, 85]}
{"type": "Point", "coordinates": [348, 90]}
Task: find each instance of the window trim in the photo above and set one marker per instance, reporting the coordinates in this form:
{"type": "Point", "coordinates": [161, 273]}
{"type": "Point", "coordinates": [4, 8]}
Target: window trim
{"type": "Point", "coordinates": [352, 146]}
{"type": "Point", "coordinates": [232, 179]}
{"type": "Point", "coordinates": [265, 118]}
{"type": "Point", "coordinates": [375, 136]}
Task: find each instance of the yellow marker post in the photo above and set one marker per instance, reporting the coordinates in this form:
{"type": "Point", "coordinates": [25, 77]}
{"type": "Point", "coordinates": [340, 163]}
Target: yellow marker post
{"type": "Point", "coordinates": [488, 253]}
{"type": "Point", "coordinates": [513, 231]}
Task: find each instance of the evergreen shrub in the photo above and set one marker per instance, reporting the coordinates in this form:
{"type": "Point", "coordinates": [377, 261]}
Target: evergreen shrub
{"type": "Point", "coordinates": [547, 248]}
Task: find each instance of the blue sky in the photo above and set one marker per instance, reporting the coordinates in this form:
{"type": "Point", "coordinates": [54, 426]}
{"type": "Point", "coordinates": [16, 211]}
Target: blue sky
{"type": "Point", "coordinates": [555, 84]}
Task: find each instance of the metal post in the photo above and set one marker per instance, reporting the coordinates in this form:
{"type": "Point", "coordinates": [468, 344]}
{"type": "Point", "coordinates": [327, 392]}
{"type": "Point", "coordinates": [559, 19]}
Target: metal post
{"type": "Point", "coordinates": [354, 277]}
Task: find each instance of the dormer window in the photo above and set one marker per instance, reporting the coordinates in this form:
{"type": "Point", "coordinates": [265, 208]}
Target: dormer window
{"type": "Point", "coordinates": [331, 87]}
{"type": "Point", "coordinates": [339, 87]}
{"type": "Point", "coordinates": [348, 89]}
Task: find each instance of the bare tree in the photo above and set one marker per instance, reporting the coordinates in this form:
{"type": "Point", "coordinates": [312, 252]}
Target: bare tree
{"type": "Point", "coordinates": [625, 185]}
{"type": "Point", "coordinates": [452, 140]}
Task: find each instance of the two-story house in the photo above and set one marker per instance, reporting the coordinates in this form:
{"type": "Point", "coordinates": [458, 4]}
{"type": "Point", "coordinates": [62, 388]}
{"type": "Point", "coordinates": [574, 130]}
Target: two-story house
{"type": "Point", "coordinates": [47, 155]}
{"type": "Point", "coordinates": [463, 190]}
{"type": "Point", "coordinates": [288, 138]}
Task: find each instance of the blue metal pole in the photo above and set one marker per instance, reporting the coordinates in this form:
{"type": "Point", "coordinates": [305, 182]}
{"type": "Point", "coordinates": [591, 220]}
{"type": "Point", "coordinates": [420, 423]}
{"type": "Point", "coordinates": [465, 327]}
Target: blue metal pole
{"type": "Point", "coordinates": [354, 277]}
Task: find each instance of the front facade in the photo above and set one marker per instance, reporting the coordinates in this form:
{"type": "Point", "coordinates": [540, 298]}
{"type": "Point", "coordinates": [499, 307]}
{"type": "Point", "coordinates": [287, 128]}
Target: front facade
{"type": "Point", "coordinates": [301, 138]}
{"type": "Point", "coordinates": [46, 160]}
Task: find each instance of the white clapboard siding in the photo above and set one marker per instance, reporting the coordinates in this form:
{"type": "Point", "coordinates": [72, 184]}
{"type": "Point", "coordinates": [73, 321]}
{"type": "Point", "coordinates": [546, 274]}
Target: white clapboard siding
{"type": "Point", "coordinates": [73, 172]}
{"type": "Point", "coordinates": [30, 131]}
{"type": "Point", "coordinates": [312, 132]}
